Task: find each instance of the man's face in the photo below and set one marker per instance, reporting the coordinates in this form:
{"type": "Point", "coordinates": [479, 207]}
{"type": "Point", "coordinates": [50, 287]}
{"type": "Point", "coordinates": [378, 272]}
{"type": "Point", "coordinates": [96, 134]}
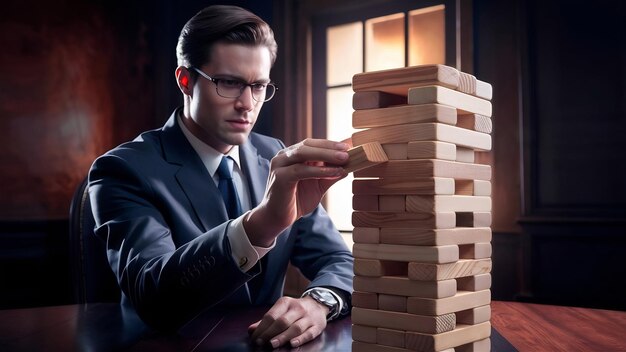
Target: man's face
{"type": "Point", "coordinates": [228, 121]}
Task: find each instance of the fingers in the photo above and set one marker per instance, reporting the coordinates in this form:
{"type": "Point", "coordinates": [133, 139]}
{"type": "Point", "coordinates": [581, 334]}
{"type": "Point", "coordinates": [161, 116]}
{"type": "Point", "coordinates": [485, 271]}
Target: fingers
{"type": "Point", "coordinates": [311, 151]}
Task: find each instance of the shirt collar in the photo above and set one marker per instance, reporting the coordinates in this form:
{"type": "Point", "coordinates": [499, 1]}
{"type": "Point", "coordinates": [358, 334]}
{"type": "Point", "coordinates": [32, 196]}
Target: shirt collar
{"type": "Point", "coordinates": [210, 157]}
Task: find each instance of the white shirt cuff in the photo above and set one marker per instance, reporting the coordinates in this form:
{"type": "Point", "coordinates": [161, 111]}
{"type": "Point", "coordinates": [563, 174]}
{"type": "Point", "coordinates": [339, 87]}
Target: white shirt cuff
{"type": "Point", "coordinates": [244, 253]}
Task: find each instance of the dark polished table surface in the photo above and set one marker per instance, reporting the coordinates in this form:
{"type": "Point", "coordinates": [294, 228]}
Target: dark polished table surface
{"type": "Point", "coordinates": [108, 327]}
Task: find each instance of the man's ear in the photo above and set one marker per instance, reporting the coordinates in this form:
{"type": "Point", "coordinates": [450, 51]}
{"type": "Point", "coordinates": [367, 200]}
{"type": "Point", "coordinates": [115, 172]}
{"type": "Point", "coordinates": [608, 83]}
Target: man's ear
{"type": "Point", "coordinates": [183, 79]}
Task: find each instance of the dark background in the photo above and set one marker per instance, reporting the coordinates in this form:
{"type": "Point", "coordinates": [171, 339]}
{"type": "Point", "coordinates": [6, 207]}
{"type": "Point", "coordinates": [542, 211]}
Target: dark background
{"type": "Point", "coordinates": [79, 77]}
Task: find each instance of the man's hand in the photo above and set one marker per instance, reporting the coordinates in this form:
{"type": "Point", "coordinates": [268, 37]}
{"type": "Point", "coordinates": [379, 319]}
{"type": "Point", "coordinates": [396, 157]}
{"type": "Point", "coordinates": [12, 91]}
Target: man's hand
{"type": "Point", "coordinates": [291, 320]}
{"type": "Point", "coordinates": [299, 177]}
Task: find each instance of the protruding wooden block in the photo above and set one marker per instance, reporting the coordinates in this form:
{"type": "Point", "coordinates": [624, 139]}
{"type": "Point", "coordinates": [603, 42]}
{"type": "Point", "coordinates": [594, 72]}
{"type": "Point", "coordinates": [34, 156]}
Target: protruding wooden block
{"type": "Point", "coordinates": [463, 334]}
{"type": "Point", "coordinates": [475, 251]}
{"type": "Point", "coordinates": [464, 103]}
{"type": "Point", "coordinates": [422, 254]}
{"type": "Point", "coordinates": [404, 114]}
{"type": "Point", "coordinates": [365, 155]}
{"type": "Point", "coordinates": [376, 100]}
{"type": "Point", "coordinates": [463, 300]}
{"type": "Point", "coordinates": [434, 237]}
{"type": "Point", "coordinates": [424, 168]}
{"type": "Point", "coordinates": [390, 337]}
{"type": "Point", "coordinates": [441, 203]}
{"type": "Point", "coordinates": [473, 219]}
{"type": "Point", "coordinates": [393, 303]}
{"type": "Point", "coordinates": [483, 345]}
{"type": "Point", "coordinates": [402, 220]}
{"type": "Point", "coordinates": [399, 80]}
{"type": "Point", "coordinates": [464, 155]}
{"type": "Point", "coordinates": [404, 321]}
{"type": "Point", "coordinates": [366, 235]}
{"type": "Point", "coordinates": [424, 132]}
{"type": "Point", "coordinates": [474, 283]}
{"type": "Point", "coordinates": [377, 268]}
{"type": "Point", "coordinates": [365, 299]}
{"type": "Point", "coordinates": [402, 286]}
{"type": "Point", "coordinates": [474, 315]}
{"type": "Point", "coordinates": [472, 187]}
{"type": "Point", "coordinates": [364, 333]}
{"type": "Point", "coordinates": [425, 186]}
{"type": "Point", "coordinates": [358, 346]}
{"type": "Point", "coordinates": [475, 122]}
{"type": "Point", "coordinates": [461, 268]}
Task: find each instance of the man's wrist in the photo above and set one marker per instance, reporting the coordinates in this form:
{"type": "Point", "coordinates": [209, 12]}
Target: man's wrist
{"type": "Point", "coordinates": [326, 298]}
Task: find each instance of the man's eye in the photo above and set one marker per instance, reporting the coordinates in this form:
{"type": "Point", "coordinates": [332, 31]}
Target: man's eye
{"type": "Point", "coordinates": [259, 87]}
{"type": "Point", "coordinates": [231, 83]}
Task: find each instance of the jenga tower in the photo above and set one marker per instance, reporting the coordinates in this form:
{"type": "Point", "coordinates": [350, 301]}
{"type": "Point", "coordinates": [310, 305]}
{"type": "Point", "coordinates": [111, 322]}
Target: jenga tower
{"type": "Point", "coordinates": [422, 219]}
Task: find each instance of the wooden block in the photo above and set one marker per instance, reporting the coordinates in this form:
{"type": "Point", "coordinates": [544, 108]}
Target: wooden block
{"type": "Point", "coordinates": [424, 132]}
{"type": "Point", "coordinates": [441, 203]}
{"type": "Point", "coordinates": [472, 187]}
{"type": "Point", "coordinates": [461, 268]}
{"type": "Point", "coordinates": [467, 83]}
{"type": "Point", "coordinates": [399, 80]}
{"type": "Point", "coordinates": [367, 235]}
{"type": "Point", "coordinates": [431, 150]}
{"type": "Point", "coordinates": [365, 155]}
{"type": "Point", "coordinates": [402, 220]}
{"type": "Point", "coordinates": [358, 346]}
{"type": "Point", "coordinates": [475, 251]}
{"type": "Point", "coordinates": [364, 333]}
{"type": "Point", "coordinates": [474, 122]}
{"type": "Point", "coordinates": [392, 203]}
{"type": "Point", "coordinates": [463, 334]}
{"type": "Point", "coordinates": [390, 337]}
{"type": "Point", "coordinates": [474, 315]}
{"type": "Point", "coordinates": [404, 114]}
{"type": "Point", "coordinates": [464, 155]}
{"type": "Point", "coordinates": [402, 286]}
{"type": "Point", "coordinates": [365, 299]}
{"type": "Point", "coordinates": [377, 268]}
{"type": "Point", "coordinates": [474, 283]}
{"type": "Point", "coordinates": [434, 237]}
{"type": "Point", "coordinates": [425, 168]}
{"type": "Point", "coordinates": [396, 151]}
{"type": "Point", "coordinates": [376, 100]}
{"type": "Point", "coordinates": [393, 303]}
{"type": "Point", "coordinates": [483, 345]}
{"type": "Point", "coordinates": [464, 103]}
{"type": "Point", "coordinates": [484, 90]}
{"type": "Point", "coordinates": [463, 300]}
{"type": "Point", "coordinates": [404, 321]}
{"type": "Point", "coordinates": [421, 254]}
{"type": "Point", "coordinates": [365, 202]}
{"type": "Point", "coordinates": [431, 185]}
{"type": "Point", "coordinates": [473, 219]}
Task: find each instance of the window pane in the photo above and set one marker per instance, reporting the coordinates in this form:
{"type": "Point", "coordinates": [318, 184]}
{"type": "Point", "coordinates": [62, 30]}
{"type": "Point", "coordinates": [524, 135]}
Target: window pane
{"type": "Point", "coordinates": [384, 45]}
{"type": "Point", "coordinates": [339, 127]}
{"type": "Point", "coordinates": [427, 36]}
{"type": "Point", "coordinates": [344, 53]}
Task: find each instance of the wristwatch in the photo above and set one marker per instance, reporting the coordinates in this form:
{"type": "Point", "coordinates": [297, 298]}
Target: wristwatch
{"type": "Point", "coordinates": [326, 298]}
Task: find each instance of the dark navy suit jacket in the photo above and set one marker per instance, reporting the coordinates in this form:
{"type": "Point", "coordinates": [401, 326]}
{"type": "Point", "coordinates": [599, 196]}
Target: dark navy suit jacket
{"type": "Point", "coordinates": [165, 224]}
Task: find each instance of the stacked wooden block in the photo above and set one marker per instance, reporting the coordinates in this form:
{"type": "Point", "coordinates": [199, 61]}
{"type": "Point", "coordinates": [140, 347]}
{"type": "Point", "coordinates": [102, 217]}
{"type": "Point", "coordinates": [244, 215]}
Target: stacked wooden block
{"type": "Point", "coordinates": [422, 219]}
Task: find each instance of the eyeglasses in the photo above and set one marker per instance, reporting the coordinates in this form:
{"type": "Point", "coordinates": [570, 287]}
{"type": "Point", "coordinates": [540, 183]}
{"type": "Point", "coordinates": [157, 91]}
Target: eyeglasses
{"type": "Point", "coordinates": [233, 88]}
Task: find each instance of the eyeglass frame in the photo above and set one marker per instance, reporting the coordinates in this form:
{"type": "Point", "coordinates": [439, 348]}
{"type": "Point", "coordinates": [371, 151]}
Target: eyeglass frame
{"type": "Point", "coordinates": [244, 84]}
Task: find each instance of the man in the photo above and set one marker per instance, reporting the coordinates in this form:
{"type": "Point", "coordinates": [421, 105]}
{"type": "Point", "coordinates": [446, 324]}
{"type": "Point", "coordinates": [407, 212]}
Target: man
{"type": "Point", "coordinates": [203, 213]}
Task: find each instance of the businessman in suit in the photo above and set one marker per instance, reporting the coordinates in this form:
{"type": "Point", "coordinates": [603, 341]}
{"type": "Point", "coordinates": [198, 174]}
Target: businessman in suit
{"type": "Point", "coordinates": [205, 214]}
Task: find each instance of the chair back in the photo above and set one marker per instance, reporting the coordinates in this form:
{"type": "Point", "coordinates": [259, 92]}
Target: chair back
{"type": "Point", "coordinates": [92, 277]}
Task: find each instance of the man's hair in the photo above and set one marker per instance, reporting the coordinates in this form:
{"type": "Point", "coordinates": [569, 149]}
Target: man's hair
{"type": "Point", "coordinates": [223, 24]}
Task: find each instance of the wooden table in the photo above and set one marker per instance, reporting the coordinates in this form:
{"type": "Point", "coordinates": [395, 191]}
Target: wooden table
{"type": "Point", "coordinates": [108, 327]}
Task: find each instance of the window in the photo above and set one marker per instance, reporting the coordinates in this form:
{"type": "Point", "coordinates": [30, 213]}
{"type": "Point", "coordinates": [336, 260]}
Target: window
{"type": "Point", "coordinates": [413, 36]}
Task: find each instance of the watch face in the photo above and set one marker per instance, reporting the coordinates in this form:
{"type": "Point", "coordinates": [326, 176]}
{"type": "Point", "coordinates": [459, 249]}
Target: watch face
{"type": "Point", "coordinates": [326, 296]}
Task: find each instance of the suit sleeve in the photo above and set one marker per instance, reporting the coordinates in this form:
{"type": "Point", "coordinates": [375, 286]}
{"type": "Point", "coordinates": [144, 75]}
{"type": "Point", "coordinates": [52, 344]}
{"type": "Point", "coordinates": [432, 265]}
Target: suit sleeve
{"type": "Point", "coordinates": [166, 285]}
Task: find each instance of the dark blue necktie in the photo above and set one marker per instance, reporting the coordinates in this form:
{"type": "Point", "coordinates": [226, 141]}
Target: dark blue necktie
{"type": "Point", "coordinates": [227, 188]}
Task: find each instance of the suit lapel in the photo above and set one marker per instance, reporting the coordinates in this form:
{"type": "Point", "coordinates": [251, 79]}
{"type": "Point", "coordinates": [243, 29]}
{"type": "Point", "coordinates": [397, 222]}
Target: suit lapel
{"type": "Point", "coordinates": [192, 176]}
